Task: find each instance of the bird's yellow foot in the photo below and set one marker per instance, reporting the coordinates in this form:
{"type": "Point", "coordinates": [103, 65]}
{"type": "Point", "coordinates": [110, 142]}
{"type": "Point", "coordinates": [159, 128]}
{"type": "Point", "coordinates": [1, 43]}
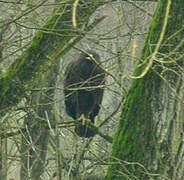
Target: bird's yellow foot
{"type": "Point", "coordinates": [83, 119]}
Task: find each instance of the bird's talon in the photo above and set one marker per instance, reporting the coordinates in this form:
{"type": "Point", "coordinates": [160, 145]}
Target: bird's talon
{"type": "Point", "coordinates": [83, 119]}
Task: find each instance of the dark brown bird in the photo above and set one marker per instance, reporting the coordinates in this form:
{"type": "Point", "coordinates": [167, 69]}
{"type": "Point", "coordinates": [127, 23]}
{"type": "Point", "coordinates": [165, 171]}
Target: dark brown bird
{"type": "Point", "coordinates": [83, 90]}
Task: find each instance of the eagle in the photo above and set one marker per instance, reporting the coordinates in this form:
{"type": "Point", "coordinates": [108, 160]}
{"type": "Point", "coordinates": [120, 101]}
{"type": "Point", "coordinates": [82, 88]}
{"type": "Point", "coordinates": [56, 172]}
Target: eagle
{"type": "Point", "coordinates": [84, 81]}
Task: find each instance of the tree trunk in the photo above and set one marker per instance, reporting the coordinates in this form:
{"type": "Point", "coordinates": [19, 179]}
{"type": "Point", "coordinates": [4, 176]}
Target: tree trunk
{"type": "Point", "coordinates": [35, 139]}
{"type": "Point", "coordinates": [148, 141]}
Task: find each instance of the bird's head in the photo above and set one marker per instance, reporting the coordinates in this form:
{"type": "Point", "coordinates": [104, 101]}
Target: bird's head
{"type": "Point", "coordinates": [90, 55]}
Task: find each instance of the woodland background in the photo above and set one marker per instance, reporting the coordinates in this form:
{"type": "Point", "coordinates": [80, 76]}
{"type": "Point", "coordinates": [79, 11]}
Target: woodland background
{"type": "Point", "coordinates": [141, 46]}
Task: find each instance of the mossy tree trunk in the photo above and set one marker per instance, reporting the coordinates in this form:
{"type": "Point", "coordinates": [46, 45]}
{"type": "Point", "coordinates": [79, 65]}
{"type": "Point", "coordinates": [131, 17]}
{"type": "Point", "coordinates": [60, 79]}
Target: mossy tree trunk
{"type": "Point", "coordinates": [148, 142]}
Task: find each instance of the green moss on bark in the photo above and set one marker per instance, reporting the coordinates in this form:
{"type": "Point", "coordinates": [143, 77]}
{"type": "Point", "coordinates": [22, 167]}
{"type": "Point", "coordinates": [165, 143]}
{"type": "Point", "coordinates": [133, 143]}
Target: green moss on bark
{"type": "Point", "coordinates": [134, 141]}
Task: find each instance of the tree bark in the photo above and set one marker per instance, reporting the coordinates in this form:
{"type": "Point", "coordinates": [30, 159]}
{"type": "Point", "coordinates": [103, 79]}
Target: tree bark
{"type": "Point", "coordinates": [148, 141]}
